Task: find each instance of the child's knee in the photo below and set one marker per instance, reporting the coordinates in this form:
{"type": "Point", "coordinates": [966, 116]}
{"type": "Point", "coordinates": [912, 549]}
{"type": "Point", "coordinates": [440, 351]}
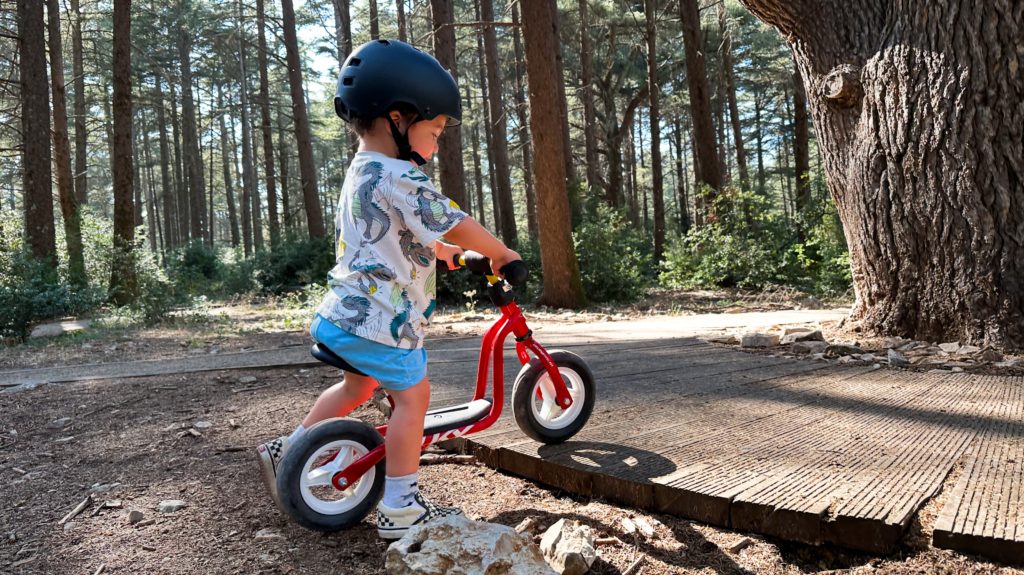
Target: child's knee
{"type": "Point", "coordinates": [417, 396]}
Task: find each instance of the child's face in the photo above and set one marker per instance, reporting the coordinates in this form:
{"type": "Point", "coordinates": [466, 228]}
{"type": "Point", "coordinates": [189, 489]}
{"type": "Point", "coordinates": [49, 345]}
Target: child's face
{"type": "Point", "coordinates": [423, 136]}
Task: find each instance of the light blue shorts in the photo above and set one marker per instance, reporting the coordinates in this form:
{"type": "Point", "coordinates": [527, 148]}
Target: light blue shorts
{"type": "Point", "coordinates": [395, 369]}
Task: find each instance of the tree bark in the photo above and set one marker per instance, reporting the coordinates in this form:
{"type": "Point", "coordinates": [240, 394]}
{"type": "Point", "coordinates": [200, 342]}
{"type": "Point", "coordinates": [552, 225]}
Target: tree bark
{"type": "Point", "coordinates": [374, 20]}
{"type": "Point", "coordinates": [193, 157]}
{"type": "Point", "coordinates": [165, 160]}
{"type": "Point", "coordinates": [229, 191]}
{"type": "Point", "coordinates": [307, 171]}
{"type": "Point", "coordinates": [700, 107]}
{"type": "Point", "coordinates": [343, 31]}
{"type": "Point", "coordinates": [35, 133]}
{"type": "Point", "coordinates": [801, 144]}
{"type": "Point", "coordinates": [282, 155]}
{"type": "Point", "coordinates": [268, 138]}
{"type": "Point", "coordinates": [562, 284]}
{"type": "Point", "coordinates": [451, 172]}
{"type": "Point", "coordinates": [180, 186]}
{"type": "Point", "coordinates": [657, 184]}
{"type": "Point", "coordinates": [730, 85]}
{"type": "Point", "coordinates": [400, 11]}
{"type": "Point", "coordinates": [250, 193]}
{"type": "Point", "coordinates": [78, 84]}
{"type": "Point", "coordinates": [917, 111]}
{"type": "Point", "coordinates": [524, 127]}
{"type": "Point", "coordinates": [498, 128]}
{"type": "Point", "coordinates": [62, 151]}
{"type": "Point", "coordinates": [123, 284]}
{"type": "Point", "coordinates": [587, 97]}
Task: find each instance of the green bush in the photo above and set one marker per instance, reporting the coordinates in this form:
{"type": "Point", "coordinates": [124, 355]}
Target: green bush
{"type": "Point", "coordinates": [614, 257]}
{"type": "Point", "coordinates": [293, 264]}
{"type": "Point", "coordinates": [32, 290]}
{"type": "Point", "coordinates": [195, 268]}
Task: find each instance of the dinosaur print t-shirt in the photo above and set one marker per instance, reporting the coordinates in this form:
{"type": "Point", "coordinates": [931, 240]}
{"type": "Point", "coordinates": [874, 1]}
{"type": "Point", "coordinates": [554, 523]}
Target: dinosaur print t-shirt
{"type": "Point", "coordinates": [384, 283]}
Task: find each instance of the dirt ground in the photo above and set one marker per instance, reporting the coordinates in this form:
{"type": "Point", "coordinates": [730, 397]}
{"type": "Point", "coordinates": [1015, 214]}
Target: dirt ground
{"type": "Point", "coordinates": [133, 443]}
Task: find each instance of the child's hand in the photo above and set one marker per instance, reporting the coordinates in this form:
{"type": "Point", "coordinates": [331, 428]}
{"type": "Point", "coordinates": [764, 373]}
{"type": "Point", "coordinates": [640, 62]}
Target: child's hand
{"type": "Point", "coordinates": [498, 263]}
{"type": "Point", "coordinates": [447, 253]}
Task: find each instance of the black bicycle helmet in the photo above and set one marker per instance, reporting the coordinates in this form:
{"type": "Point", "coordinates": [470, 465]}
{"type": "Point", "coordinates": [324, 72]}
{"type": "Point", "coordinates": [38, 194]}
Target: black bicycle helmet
{"type": "Point", "coordinates": [382, 73]}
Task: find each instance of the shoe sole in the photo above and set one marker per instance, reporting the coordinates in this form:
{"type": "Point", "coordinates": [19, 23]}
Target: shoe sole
{"type": "Point", "coordinates": [394, 535]}
{"type": "Point", "coordinates": [269, 473]}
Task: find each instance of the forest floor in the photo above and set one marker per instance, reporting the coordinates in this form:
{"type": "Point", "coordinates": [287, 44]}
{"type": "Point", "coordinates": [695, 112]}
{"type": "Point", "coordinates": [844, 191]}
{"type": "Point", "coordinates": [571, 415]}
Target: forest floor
{"type": "Point", "coordinates": [130, 444]}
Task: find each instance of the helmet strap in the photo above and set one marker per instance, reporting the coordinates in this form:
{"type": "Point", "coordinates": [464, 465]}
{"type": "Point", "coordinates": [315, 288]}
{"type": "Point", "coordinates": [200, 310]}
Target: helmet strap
{"type": "Point", "coordinates": [405, 151]}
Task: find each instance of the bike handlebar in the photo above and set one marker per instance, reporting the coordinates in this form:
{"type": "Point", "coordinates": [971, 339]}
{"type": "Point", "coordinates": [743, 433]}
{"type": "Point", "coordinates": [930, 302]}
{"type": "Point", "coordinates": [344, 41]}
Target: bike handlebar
{"type": "Point", "coordinates": [515, 272]}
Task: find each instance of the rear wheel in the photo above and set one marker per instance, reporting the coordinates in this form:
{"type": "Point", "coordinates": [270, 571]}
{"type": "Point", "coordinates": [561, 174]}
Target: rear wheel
{"type": "Point", "coordinates": [533, 398]}
{"type": "Point", "coordinates": [304, 477]}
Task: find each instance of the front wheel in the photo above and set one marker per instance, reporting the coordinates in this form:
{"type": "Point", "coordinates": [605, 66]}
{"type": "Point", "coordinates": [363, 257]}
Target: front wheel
{"type": "Point", "coordinates": [533, 398]}
{"type": "Point", "coordinates": [304, 476]}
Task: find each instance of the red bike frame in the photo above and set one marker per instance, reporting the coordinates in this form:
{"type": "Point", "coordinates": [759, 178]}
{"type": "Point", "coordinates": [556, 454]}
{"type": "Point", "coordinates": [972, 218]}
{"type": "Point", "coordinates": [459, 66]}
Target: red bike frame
{"type": "Point", "coordinates": [510, 322]}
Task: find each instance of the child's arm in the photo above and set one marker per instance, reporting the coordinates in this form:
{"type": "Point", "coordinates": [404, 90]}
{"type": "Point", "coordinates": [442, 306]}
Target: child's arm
{"type": "Point", "coordinates": [469, 234]}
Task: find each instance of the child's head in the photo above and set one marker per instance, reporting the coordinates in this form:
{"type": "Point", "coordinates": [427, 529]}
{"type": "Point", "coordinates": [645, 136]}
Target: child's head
{"type": "Point", "coordinates": [391, 86]}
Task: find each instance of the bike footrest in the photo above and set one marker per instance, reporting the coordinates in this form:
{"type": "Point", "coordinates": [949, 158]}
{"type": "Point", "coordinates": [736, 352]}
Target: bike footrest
{"type": "Point", "coordinates": [448, 418]}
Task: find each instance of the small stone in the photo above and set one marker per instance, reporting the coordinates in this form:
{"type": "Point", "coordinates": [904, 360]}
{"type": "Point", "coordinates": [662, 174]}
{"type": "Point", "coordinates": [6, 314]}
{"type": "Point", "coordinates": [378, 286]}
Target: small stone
{"type": "Point", "coordinates": [247, 379]}
{"type": "Point", "coordinates": [741, 545]}
{"type": "Point", "coordinates": [644, 526]}
{"type": "Point", "coordinates": [950, 347]}
{"type": "Point", "coordinates": [967, 349]}
{"type": "Point", "coordinates": [202, 425]}
{"type": "Point", "coordinates": [528, 525]}
{"type": "Point", "coordinates": [957, 369]}
{"type": "Point", "coordinates": [868, 357]}
{"type": "Point", "coordinates": [837, 350]}
{"type": "Point", "coordinates": [59, 423]}
{"type": "Point", "coordinates": [103, 487]}
{"type": "Point", "coordinates": [628, 527]}
{"type": "Point", "coordinates": [726, 339]}
{"type": "Point", "coordinates": [803, 336]}
{"type": "Point", "coordinates": [815, 348]}
{"type": "Point", "coordinates": [897, 359]}
{"type": "Point", "coordinates": [818, 356]}
{"type": "Point", "coordinates": [69, 526]}
{"type": "Point", "coordinates": [148, 548]}
{"type": "Point", "coordinates": [991, 355]}
{"type": "Point", "coordinates": [799, 329]}
{"type": "Point", "coordinates": [846, 359]}
{"type": "Point", "coordinates": [568, 547]}
{"type": "Point", "coordinates": [759, 340]}
{"type": "Point", "coordinates": [171, 505]}
{"type": "Point", "coordinates": [134, 516]}
{"type": "Point", "coordinates": [67, 439]}
{"type": "Point", "coordinates": [112, 504]}
{"type": "Point", "coordinates": [146, 523]}
{"type": "Point", "coordinates": [268, 534]}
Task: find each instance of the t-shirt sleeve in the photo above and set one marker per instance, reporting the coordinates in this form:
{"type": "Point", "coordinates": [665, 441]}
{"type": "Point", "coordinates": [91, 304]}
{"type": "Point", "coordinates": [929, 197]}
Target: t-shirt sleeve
{"type": "Point", "coordinates": [427, 213]}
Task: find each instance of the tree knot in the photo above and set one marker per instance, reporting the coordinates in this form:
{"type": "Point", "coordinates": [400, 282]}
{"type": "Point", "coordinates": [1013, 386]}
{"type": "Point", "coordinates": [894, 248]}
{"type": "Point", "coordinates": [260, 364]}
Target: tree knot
{"type": "Point", "coordinates": [842, 86]}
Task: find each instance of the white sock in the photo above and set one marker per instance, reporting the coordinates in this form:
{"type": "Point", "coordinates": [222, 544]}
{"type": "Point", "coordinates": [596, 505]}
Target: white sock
{"type": "Point", "coordinates": [295, 434]}
{"type": "Point", "coordinates": [399, 491]}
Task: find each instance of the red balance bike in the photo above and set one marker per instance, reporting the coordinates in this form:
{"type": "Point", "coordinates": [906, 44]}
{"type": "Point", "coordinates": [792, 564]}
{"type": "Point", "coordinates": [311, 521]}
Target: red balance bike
{"type": "Point", "coordinates": [333, 476]}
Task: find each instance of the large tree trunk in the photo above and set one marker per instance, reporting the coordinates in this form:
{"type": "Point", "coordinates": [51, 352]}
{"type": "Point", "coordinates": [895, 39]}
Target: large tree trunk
{"type": "Point", "coordinates": [801, 145]}
{"type": "Point", "coordinates": [917, 109]}
{"type": "Point", "coordinates": [307, 171]}
{"type": "Point", "coordinates": [165, 160]}
{"type": "Point", "coordinates": [193, 156]}
{"type": "Point", "coordinates": [250, 193]}
{"type": "Point", "coordinates": [78, 83]}
{"type": "Point", "coordinates": [282, 156]}
{"type": "Point", "coordinates": [587, 96]}
{"type": "Point", "coordinates": [400, 14]}
{"type": "Point", "coordinates": [343, 31]}
{"type": "Point", "coordinates": [62, 151]}
{"type": "Point", "coordinates": [524, 131]}
{"type": "Point", "coordinates": [700, 106]}
{"type": "Point", "coordinates": [123, 285]}
{"type": "Point", "coordinates": [498, 128]}
{"type": "Point", "coordinates": [226, 166]}
{"type": "Point", "coordinates": [180, 186]}
{"type": "Point", "coordinates": [730, 86]}
{"type": "Point", "coordinates": [452, 175]}
{"type": "Point", "coordinates": [35, 132]}
{"type": "Point", "coordinates": [562, 285]}
{"type": "Point", "coordinates": [650, 8]}
{"type": "Point", "coordinates": [374, 20]}
{"type": "Point", "coordinates": [268, 139]}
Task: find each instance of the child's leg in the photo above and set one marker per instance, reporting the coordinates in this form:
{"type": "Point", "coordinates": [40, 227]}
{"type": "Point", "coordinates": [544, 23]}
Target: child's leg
{"type": "Point", "coordinates": [405, 429]}
{"type": "Point", "coordinates": [340, 399]}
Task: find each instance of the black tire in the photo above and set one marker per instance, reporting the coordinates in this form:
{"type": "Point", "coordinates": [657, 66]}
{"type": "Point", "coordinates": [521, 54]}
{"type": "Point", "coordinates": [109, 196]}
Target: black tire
{"type": "Point", "coordinates": [315, 442]}
{"type": "Point", "coordinates": [576, 373]}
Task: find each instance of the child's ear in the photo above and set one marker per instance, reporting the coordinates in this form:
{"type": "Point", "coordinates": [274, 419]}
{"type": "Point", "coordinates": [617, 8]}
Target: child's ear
{"type": "Point", "coordinates": [396, 117]}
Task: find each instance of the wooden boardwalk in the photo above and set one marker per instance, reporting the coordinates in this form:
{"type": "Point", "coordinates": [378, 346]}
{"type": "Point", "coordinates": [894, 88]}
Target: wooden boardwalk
{"type": "Point", "coordinates": [794, 449]}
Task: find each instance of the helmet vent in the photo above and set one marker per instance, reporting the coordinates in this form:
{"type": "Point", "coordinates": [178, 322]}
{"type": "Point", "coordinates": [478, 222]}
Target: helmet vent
{"type": "Point", "coordinates": [354, 62]}
{"type": "Point", "coordinates": [347, 80]}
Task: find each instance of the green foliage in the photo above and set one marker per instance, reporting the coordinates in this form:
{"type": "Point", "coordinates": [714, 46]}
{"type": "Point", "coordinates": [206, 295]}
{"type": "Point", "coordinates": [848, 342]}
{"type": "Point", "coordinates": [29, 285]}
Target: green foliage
{"type": "Point", "coordinates": [614, 257]}
{"type": "Point", "coordinates": [293, 264]}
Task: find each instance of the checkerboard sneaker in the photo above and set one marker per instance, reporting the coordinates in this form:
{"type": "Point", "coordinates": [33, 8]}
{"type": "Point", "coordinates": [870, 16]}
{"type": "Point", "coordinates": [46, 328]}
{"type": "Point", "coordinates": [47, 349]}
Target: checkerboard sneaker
{"type": "Point", "coordinates": [269, 455]}
{"type": "Point", "coordinates": [394, 522]}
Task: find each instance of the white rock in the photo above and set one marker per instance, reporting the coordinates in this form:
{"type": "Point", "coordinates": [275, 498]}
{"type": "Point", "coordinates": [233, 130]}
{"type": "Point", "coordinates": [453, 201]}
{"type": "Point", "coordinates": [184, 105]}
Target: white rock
{"type": "Point", "coordinates": [457, 546]}
{"type": "Point", "coordinates": [268, 534]}
{"type": "Point", "coordinates": [950, 347]}
{"type": "Point", "coordinates": [171, 505]}
{"type": "Point", "coordinates": [965, 349]}
{"type": "Point", "coordinates": [897, 359]}
{"type": "Point", "coordinates": [247, 379]}
{"type": "Point", "coordinates": [202, 425]}
{"type": "Point", "coordinates": [568, 547]}
{"type": "Point", "coordinates": [803, 336]}
{"type": "Point", "coordinates": [799, 329]}
{"type": "Point", "coordinates": [134, 516]}
{"type": "Point", "coordinates": [59, 423]}
{"type": "Point", "coordinates": [726, 339]}
{"type": "Point", "coordinates": [759, 340]}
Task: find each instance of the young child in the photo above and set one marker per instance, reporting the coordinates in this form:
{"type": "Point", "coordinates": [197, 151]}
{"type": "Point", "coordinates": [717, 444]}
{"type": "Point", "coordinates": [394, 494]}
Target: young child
{"type": "Point", "coordinates": [388, 228]}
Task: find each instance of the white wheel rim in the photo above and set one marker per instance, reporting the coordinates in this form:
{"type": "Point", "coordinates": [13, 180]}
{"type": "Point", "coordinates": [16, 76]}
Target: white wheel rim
{"type": "Point", "coordinates": [315, 482]}
{"type": "Point", "coordinates": [546, 411]}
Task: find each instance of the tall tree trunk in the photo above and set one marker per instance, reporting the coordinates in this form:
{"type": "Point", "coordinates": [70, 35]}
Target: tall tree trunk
{"type": "Point", "coordinates": [152, 223]}
{"type": "Point", "coordinates": [136, 171]}
{"type": "Point", "coordinates": [78, 83]}
{"type": "Point", "coordinates": [587, 97]}
{"type": "Point", "coordinates": [35, 132]}
{"type": "Point", "coordinates": [563, 111]}
{"type": "Point", "coordinates": [343, 31]}
{"type": "Point", "coordinates": [451, 172]}
{"type": "Point", "coordinates": [180, 185]}
{"type": "Point", "coordinates": [193, 157]}
{"type": "Point", "coordinates": [268, 138]}
{"type": "Point", "coordinates": [374, 20]}
{"type": "Point", "coordinates": [400, 11]}
{"type": "Point", "coordinates": [225, 161]}
{"type": "Point", "coordinates": [478, 178]}
{"type": "Point", "coordinates": [524, 129]}
{"type": "Point", "coordinates": [681, 179]}
{"type": "Point", "coordinates": [486, 122]}
{"type": "Point", "coordinates": [801, 145]}
{"type": "Point", "coordinates": [708, 172]}
{"type": "Point", "coordinates": [250, 192]}
{"type": "Point", "coordinates": [307, 171]}
{"type": "Point", "coordinates": [657, 185]}
{"type": "Point", "coordinates": [759, 128]}
{"type": "Point", "coordinates": [498, 127]}
{"type": "Point", "coordinates": [562, 284]}
{"type": "Point", "coordinates": [62, 151]}
{"type": "Point", "coordinates": [282, 155]}
{"type": "Point", "coordinates": [169, 218]}
{"type": "Point", "coordinates": [244, 201]}
{"type": "Point", "coordinates": [123, 284]}
{"type": "Point", "coordinates": [730, 86]}
{"type": "Point", "coordinates": [917, 111]}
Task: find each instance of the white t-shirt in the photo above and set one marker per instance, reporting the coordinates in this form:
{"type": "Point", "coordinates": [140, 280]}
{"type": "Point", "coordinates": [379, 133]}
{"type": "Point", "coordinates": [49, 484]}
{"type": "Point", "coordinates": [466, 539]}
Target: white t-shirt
{"type": "Point", "coordinates": [384, 283]}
